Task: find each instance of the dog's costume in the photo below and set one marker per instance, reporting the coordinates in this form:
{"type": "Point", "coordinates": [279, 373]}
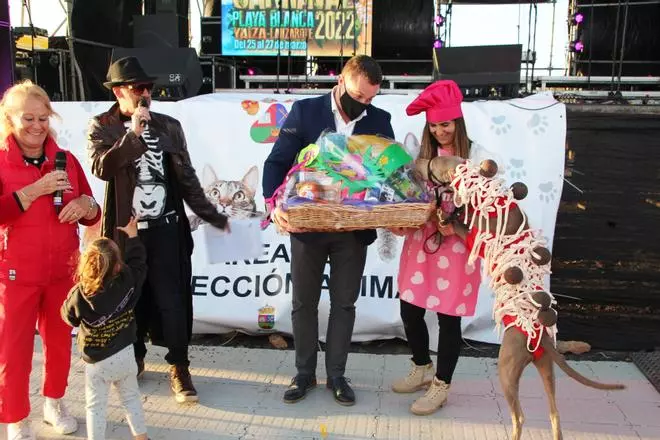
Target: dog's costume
{"type": "Point", "coordinates": [517, 261]}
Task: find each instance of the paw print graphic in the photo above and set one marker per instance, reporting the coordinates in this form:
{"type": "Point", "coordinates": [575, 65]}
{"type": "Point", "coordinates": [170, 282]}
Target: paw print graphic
{"type": "Point", "coordinates": [64, 138]}
{"type": "Point", "coordinates": [548, 192]}
{"type": "Point", "coordinates": [516, 170]}
{"type": "Point", "coordinates": [500, 126]}
{"type": "Point", "coordinates": [538, 124]}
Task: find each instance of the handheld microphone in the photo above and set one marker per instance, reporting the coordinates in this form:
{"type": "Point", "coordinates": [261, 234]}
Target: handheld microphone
{"type": "Point", "coordinates": [60, 165]}
{"type": "Point", "coordinates": [143, 103]}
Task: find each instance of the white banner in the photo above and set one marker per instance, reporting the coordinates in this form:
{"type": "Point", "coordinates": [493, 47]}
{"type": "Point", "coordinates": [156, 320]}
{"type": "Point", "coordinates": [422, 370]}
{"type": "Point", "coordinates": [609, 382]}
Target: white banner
{"type": "Point", "coordinates": [229, 137]}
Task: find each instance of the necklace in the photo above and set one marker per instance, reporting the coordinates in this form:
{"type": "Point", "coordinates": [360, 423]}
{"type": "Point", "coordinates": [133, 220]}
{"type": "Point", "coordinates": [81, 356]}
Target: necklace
{"type": "Point", "coordinates": [36, 161]}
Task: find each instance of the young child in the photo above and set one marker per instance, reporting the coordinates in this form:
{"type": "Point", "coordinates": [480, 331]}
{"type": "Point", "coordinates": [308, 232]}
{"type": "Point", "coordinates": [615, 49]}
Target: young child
{"type": "Point", "coordinates": [101, 304]}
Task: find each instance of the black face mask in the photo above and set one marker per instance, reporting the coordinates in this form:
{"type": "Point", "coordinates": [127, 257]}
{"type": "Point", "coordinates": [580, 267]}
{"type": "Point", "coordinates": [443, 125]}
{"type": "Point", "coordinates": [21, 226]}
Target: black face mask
{"type": "Point", "coordinates": [351, 107]}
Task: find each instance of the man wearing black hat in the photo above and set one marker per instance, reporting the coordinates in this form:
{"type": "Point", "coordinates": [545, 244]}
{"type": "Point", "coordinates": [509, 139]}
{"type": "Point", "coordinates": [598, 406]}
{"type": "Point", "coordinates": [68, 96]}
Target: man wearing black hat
{"type": "Point", "coordinates": [143, 158]}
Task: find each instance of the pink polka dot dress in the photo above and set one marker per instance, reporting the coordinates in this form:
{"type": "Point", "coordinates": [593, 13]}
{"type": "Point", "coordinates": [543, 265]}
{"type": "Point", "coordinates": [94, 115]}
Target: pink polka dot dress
{"type": "Point", "coordinates": [442, 281]}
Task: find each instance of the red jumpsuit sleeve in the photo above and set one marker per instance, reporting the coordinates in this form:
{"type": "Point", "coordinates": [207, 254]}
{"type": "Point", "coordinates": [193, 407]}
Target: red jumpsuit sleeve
{"type": "Point", "coordinates": [83, 184]}
{"type": "Point", "coordinates": [9, 207]}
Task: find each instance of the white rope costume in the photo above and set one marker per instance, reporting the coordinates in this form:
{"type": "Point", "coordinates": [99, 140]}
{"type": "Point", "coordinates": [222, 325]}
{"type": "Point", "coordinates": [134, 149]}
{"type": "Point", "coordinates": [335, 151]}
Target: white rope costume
{"type": "Point", "coordinates": [486, 198]}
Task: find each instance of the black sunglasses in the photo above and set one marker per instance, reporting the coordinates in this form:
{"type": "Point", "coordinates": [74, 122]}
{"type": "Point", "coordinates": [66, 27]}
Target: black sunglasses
{"type": "Point", "coordinates": [139, 89]}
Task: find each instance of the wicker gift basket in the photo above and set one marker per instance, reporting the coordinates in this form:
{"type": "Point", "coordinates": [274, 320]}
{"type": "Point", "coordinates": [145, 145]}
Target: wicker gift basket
{"type": "Point", "coordinates": [344, 183]}
{"type": "Point", "coordinates": [339, 217]}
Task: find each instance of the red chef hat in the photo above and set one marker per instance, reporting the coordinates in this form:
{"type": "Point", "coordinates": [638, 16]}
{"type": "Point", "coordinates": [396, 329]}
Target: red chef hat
{"type": "Point", "coordinates": [441, 101]}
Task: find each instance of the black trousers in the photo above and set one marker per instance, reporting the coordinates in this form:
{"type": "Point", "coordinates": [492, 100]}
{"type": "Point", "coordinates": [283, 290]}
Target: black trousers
{"type": "Point", "coordinates": [347, 256]}
{"type": "Point", "coordinates": [449, 339]}
{"type": "Point", "coordinates": [163, 299]}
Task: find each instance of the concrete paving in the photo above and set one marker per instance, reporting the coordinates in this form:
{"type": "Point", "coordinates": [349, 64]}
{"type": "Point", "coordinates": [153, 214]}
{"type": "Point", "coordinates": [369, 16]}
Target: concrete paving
{"type": "Point", "coordinates": [241, 389]}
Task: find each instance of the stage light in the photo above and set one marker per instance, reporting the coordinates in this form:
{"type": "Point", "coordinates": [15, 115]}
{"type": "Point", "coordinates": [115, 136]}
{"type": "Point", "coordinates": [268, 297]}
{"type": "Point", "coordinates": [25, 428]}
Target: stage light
{"type": "Point", "coordinates": [438, 44]}
{"type": "Point", "coordinates": [331, 72]}
{"type": "Point", "coordinates": [250, 71]}
{"type": "Point", "coordinates": [576, 46]}
{"type": "Point", "coordinates": [439, 20]}
{"type": "Point", "coordinates": [578, 18]}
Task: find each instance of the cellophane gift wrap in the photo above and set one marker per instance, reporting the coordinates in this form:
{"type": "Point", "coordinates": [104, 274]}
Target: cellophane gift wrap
{"type": "Point", "coordinates": [343, 183]}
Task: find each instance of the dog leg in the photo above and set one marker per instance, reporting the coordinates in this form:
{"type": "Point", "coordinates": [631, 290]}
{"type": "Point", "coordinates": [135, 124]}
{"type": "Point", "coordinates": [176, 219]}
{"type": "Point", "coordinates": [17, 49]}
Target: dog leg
{"type": "Point", "coordinates": [544, 365]}
{"type": "Point", "coordinates": [513, 359]}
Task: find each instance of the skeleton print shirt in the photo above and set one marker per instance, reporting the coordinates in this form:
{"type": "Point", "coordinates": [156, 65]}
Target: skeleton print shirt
{"type": "Point", "coordinates": [151, 199]}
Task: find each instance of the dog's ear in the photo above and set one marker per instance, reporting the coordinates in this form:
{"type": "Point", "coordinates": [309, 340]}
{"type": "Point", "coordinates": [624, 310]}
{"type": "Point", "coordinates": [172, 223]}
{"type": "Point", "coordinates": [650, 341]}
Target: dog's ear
{"type": "Point", "coordinates": [422, 169]}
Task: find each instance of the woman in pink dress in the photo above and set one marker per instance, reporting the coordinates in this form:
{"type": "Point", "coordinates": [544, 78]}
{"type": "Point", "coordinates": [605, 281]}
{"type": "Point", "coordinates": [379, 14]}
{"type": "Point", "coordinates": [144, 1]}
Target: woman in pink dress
{"type": "Point", "coordinates": [433, 271]}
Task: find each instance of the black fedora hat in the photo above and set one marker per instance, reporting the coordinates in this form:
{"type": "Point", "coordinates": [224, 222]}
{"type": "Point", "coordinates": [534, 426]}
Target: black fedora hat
{"type": "Point", "coordinates": [126, 70]}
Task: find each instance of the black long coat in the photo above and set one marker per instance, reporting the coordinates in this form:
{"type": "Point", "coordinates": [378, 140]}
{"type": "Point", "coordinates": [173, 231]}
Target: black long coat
{"type": "Point", "coordinates": [113, 152]}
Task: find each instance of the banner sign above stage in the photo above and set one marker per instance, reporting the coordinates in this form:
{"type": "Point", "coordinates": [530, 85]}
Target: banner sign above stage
{"type": "Point", "coordinates": [304, 27]}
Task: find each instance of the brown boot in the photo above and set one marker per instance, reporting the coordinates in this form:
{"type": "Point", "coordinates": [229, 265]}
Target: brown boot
{"type": "Point", "coordinates": [181, 384]}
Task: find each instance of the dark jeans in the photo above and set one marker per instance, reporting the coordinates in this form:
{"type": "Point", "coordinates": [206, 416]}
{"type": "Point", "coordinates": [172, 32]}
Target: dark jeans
{"type": "Point", "coordinates": [449, 339]}
{"type": "Point", "coordinates": [163, 299]}
{"type": "Point", "coordinates": [347, 256]}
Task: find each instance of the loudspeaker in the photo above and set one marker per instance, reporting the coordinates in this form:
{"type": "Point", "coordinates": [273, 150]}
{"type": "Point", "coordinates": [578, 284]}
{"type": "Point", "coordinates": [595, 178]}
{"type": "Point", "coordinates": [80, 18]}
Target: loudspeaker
{"type": "Point", "coordinates": [6, 52]}
{"type": "Point", "coordinates": [217, 73]}
{"type": "Point", "coordinates": [4, 14]}
{"type": "Point", "coordinates": [156, 31]}
{"type": "Point", "coordinates": [208, 75]}
{"type": "Point", "coordinates": [179, 8]}
{"type": "Point", "coordinates": [177, 71]}
{"type": "Point", "coordinates": [480, 66]}
{"type": "Point", "coordinates": [602, 33]}
{"type": "Point", "coordinates": [162, 6]}
{"type": "Point", "coordinates": [6, 59]}
{"type": "Point", "coordinates": [211, 30]}
{"type": "Point", "coordinates": [52, 68]}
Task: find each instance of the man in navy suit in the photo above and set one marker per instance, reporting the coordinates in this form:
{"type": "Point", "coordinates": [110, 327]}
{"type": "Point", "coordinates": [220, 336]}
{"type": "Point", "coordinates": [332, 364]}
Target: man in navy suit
{"type": "Point", "coordinates": [347, 110]}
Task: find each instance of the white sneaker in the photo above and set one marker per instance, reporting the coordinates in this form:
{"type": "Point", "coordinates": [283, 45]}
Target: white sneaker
{"type": "Point", "coordinates": [20, 431]}
{"type": "Point", "coordinates": [56, 415]}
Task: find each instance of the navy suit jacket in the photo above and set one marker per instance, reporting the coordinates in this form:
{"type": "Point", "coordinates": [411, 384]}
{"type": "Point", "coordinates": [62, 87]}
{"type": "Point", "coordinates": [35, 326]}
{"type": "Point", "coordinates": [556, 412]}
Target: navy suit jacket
{"type": "Point", "coordinates": [307, 119]}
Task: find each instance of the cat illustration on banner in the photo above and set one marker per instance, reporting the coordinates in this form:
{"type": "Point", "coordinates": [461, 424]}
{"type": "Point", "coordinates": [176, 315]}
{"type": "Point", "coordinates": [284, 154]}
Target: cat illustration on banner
{"type": "Point", "coordinates": [233, 198]}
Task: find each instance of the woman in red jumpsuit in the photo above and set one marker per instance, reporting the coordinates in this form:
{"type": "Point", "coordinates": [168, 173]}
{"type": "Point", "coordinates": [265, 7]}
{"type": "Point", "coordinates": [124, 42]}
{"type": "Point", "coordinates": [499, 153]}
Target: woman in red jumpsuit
{"type": "Point", "coordinates": [38, 252]}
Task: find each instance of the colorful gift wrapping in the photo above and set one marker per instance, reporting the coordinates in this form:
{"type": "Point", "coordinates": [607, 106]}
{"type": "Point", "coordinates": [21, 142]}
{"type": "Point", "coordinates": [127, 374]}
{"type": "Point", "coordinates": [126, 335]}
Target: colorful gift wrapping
{"type": "Point", "coordinates": [362, 172]}
{"type": "Point", "coordinates": [362, 164]}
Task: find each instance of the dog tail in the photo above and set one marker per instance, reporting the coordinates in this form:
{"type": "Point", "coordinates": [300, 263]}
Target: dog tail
{"type": "Point", "coordinates": [560, 360]}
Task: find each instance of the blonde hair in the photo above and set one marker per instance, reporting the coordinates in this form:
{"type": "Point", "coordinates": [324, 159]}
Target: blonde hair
{"type": "Point", "coordinates": [12, 102]}
{"type": "Point", "coordinates": [429, 146]}
{"type": "Point", "coordinates": [96, 265]}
